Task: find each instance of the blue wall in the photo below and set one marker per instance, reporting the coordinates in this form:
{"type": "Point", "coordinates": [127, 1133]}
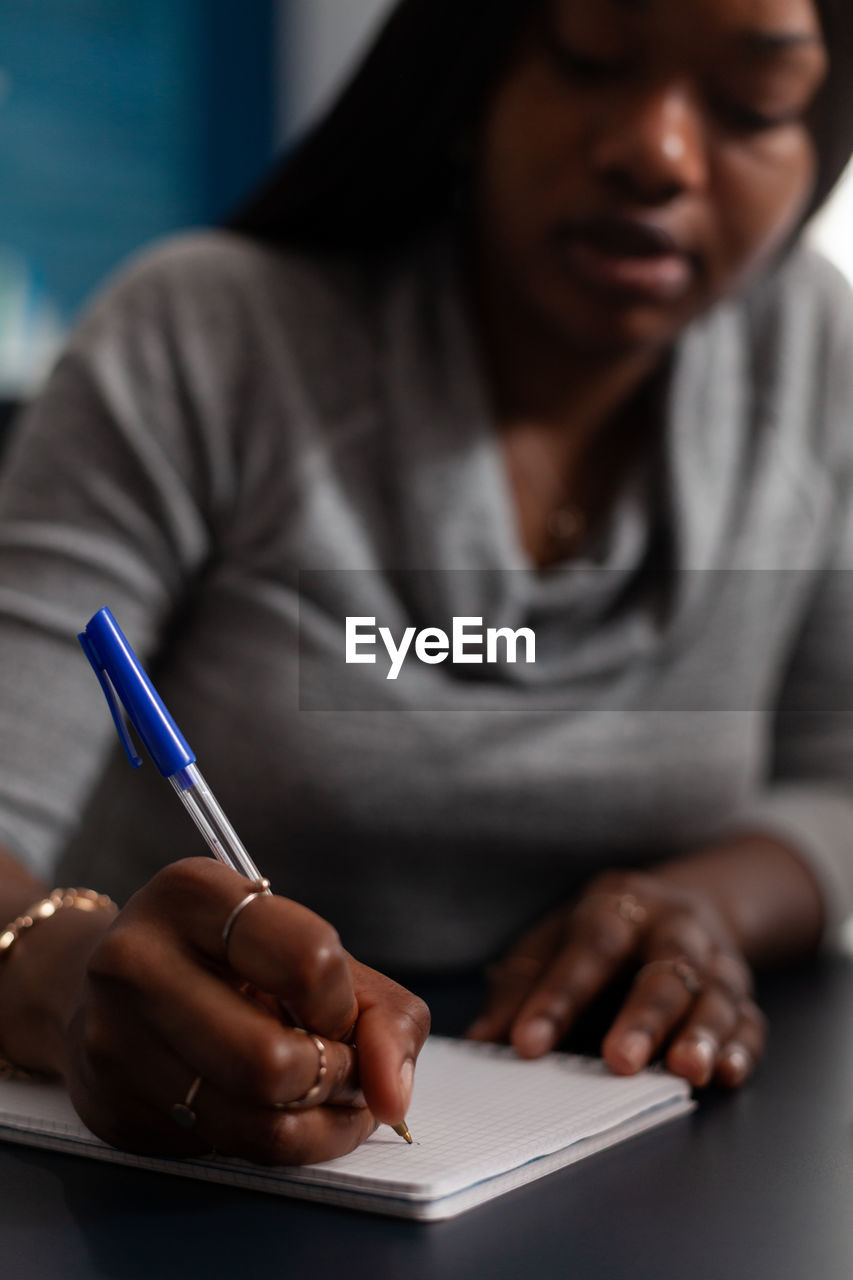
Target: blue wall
{"type": "Point", "coordinates": [126, 119]}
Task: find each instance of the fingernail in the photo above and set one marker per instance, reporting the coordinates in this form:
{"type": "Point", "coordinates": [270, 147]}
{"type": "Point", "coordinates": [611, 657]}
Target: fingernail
{"type": "Point", "coordinates": [635, 1048]}
{"type": "Point", "coordinates": [407, 1080]}
{"type": "Point", "coordinates": [736, 1063]}
{"type": "Point", "coordinates": [535, 1037]}
{"type": "Point", "coordinates": [701, 1052]}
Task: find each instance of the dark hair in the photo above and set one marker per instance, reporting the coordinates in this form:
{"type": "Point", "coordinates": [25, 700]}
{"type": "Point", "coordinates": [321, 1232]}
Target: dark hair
{"type": "Point", "coordinates": [382, 165]}
{"type": "Point", "coordinates": [834, 114]}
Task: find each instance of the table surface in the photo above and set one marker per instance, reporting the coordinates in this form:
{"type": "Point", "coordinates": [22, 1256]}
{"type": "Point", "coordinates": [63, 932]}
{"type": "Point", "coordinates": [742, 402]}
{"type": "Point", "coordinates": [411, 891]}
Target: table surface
{"type": "Point", "coordinates": [756, 1185]}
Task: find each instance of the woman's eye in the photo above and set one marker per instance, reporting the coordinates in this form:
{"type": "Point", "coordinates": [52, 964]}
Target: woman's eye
{"type": "Point", "coordinates": [584, 66]}
{"type": "Point", "coordinates": [745, 119]}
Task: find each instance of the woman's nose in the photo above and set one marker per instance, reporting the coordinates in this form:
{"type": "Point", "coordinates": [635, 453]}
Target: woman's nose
{"type": "Point", "coordinates": [653, 147]}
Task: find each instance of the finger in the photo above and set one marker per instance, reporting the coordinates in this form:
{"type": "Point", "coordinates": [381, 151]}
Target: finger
{"type": "Point", "coordinates": [322, 1133]}
{"type": "Point", "coordinates": [336, 1077]}
{"type": "Point", "coordinates": [662, 994]}
{"type": "Point", "coordinates": [392, 1027]}
{"type": "Point", "coordinates": [138, 1115]}
{"type": "Point", "coordinates": [695, 1050]}
{"type": "Point", "coordinates": [696, 1045]}
{"type": "Point", "coordinates": [228, 1039]}
{"type": "Point", "coordinates": [600, 944]}
{"type": "Point", "coordinates": [744, 1049]}
{"type": "Point", "coordinates": [278, 945]}
{"type": "Point", "coordinates": [680, 934]}
{"type": "Point", "coordinates": [732, 974]}
{"type": "Point", "coordinates": [512, 978]}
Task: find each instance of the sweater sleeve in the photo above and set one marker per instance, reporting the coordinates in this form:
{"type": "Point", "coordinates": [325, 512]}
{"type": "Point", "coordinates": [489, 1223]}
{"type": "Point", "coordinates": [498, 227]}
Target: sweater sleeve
{"type": "Point", "coordinates": [807, 801]}
{"type": "Point", "coordinates": [105, 499]}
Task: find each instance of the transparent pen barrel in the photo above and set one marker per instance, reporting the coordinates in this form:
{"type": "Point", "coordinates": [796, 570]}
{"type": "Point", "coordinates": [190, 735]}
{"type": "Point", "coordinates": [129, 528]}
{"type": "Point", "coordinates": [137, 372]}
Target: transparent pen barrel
{"type": "Point", "coordinates": [207, 814]}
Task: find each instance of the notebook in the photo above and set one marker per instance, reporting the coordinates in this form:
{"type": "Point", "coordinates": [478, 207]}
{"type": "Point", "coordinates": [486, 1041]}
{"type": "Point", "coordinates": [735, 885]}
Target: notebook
{"type": "Point", "coordinates": [483, 1122]}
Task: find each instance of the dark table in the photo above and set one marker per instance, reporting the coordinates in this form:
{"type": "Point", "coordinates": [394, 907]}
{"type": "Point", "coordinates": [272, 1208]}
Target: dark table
{"type": "Point", "coordinates": [752, 1186]}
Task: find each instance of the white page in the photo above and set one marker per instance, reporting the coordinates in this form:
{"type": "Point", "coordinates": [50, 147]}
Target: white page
{"type": "Point", "coordinates": [481, 1117]}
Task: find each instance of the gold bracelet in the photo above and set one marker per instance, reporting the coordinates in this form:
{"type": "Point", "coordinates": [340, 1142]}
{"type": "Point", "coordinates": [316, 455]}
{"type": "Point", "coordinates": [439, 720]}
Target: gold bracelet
{"type": "Point", "coordinates": [83, 900]}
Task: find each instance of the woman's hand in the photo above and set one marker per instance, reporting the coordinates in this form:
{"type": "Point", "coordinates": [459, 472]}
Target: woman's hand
{"type": "Point", "coordinates": [691, 996]}
{"type": "Point", "coordinates": [162, 1004]}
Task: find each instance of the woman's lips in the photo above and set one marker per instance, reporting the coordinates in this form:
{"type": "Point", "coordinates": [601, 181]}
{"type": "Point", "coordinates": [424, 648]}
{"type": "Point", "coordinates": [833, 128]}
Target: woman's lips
{"type": "Point", "coordinates": [628, 258]}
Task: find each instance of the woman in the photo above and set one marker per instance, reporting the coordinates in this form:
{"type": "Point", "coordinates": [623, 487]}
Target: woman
{"type": "Point", "coordinates": [520, 335]}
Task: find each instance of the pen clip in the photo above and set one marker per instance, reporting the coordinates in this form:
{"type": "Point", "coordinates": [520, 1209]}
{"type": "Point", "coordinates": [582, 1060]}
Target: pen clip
{"type": "Point", "coordinates": [130, 694]}
{"type": "Point", "coordinates": [113, 700]}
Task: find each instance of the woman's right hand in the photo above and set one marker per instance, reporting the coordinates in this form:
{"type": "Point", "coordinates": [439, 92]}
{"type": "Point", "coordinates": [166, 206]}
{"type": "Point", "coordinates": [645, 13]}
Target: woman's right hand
{"type": "Point", "coordinates": [161, 1004]}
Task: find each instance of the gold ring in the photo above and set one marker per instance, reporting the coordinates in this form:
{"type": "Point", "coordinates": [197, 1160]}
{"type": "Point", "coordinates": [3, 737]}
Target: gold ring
{"type": "Point", "coordinates": [182, 1112]}
{"type": "Point", "coordinates": [260, 889]}
{"type": "Point", "coordinates": [627, 907]}
{"type": "Point", "coordinates": [313, 1093]}
{"type": "Point", "coordinates": [624, 905]}
{"type": "Point", "coordinates": [681, 968]}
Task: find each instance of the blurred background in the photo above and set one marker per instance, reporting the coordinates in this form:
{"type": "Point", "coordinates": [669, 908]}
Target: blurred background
{"type": "Point", "coordinates": [124, 120]}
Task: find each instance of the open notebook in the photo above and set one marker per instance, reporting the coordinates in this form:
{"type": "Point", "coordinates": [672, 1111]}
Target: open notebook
{"type": "Point", "coordinates": [483, 1120]}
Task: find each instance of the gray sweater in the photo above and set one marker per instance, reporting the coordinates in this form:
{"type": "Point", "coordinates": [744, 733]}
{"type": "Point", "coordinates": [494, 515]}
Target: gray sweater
{"type": "Point", "coordinates": [241, 450]}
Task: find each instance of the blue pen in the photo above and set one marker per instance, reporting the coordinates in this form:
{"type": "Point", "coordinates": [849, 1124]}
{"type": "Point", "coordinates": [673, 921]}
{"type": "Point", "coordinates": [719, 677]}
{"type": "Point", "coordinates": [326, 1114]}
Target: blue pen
{"type": "Point", "coordinates": [126, 686]}
{"type": "Point", "coordinates": [129, 691]}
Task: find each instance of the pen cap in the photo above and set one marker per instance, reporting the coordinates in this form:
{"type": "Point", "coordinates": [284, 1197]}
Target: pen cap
{"type": "Point", "coordinates": [126, 685]}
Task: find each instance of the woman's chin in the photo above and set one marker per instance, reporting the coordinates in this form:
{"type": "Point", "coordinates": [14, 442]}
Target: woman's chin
{"type": "Point", "coordinates": [607, 330]}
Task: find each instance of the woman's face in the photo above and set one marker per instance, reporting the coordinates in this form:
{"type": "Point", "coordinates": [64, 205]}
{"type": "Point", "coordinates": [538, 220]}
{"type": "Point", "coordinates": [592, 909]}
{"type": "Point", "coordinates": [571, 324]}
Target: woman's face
{"type": "Point", "coordinates": [641, 158]}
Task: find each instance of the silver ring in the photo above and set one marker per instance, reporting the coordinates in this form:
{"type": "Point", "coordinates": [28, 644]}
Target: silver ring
{"type": "Point", "coordinates": [322, 1067]}
{"type": "Point", "coordinates": [182, 1112]}
{"type": "Point", "coordinates": [260, 889]}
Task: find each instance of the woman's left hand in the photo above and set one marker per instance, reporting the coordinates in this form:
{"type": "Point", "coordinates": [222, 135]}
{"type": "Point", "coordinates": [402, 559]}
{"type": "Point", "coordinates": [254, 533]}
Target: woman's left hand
{"type": "Point", "coordinates": [691, 996]}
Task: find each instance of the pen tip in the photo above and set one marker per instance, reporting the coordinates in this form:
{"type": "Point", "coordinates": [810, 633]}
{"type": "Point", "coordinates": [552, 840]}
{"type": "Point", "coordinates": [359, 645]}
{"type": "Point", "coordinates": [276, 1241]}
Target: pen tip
{"type": "Point", "coordinates": [403, 1131]}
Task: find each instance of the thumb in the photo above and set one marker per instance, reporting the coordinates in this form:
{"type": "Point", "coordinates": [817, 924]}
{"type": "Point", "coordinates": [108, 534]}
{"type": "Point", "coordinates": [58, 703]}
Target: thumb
{"type": "Point", "coordinates": [392, 1027]}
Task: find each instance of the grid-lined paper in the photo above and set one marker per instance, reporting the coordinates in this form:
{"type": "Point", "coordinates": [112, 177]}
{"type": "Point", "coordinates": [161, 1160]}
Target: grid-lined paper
{"type": "Point", "coordinates": [483, 1121]}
